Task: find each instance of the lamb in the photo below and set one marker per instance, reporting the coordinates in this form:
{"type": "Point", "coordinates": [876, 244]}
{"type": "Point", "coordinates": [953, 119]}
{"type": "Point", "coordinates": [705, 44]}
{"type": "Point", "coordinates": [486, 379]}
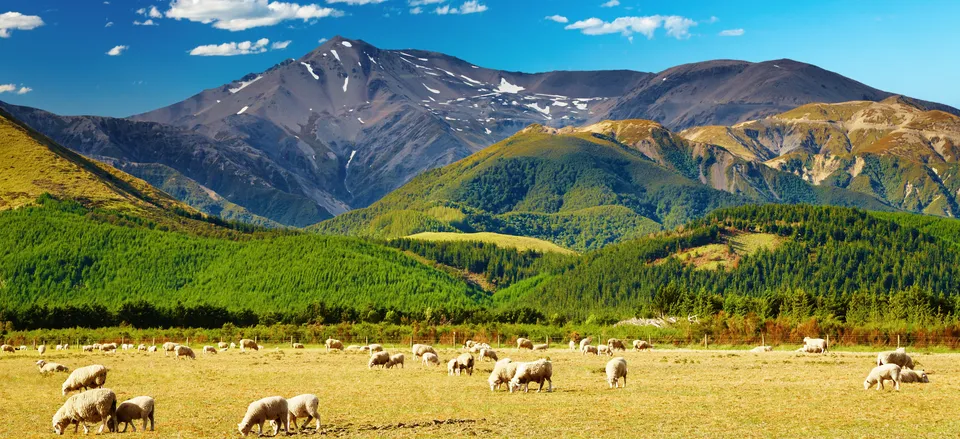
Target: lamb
{"type": "Point", "coordinates": [378, 359]}
{"type": "Point", "coordinates": [133, 409]}
{"type": "Point", "coordinates": [168, 347]}
{"type": "Point", "coordinates": [616, 344]}
{"type": "Point", "coordinates": [534, 371]}
{"type": "Point", "coordinates": [6, 348]}
{"type": "Point", "coordinates": [616, 369]}
{"type": "Point", "coordinates": [452, 367]}
{"type": "Point", "coordinates": [540, 347]}
{"type": "Point", "coordinates": [86, 348]}
{"type": "Point", "coordinates": [588, 349]}
{"type": "Point", "coordinates": [585, 342]}
{"type": "Point", "coordinates": [464, 362]}
{"type": "Point", "coordinates": [108, 347]}
{"type": "Point", "coordinates": [395, 359]}
{"type": "Point", "coordinates": [333, 344]}
{"type": "Point", "coordinates": [222, 345]}
{"type": "Point", "coordinates": [66, 346]}
{"type": "Point", "coordinates": [573, 345]}
{"type": "Point", "coordinates": [42, 348]}
{"type": "Point", "coordinates": [209, 350]}
{"type": "Point", "coordinates": [59, 347]}
{"type": "Point", "coordinates": [488, 353]}
{"type": "Point", "coordinates": [880, 373]}
{"type": "Point", "coordinates": [22, 348]}
{"type": "Point", "coordinates": [503, 372]}
{"type": "Point", "coordinates": [640, 345]}
{"type": "Point", "coordinates": [431, 358]}
{"type": "Point", "coordinates": [152, 349]}
{"type": "Point", "coordinates": [273, 408]}
{"type": "Point", "coordinates": [46, 368]}
{"type": "Point", "coordinates": [604, 350]}
{"type": "Point", "coordinates": [913, 376]}
{"type": "Point", "coordinates": [97, 405]}
{"type": "Point", "coordinates": [142, 348]}
{"type": "Point", "coordinates": [759, 349]}
{"type": "Point", "coordinates": [246, 343]}
{"type": "Point", "coordinates": [523, 343]}
{"type": "Point", "coordinates": [184, 352]}
{"type": "Point", "coordinates": [898, 357]}
{"type": "Point", "coordinates": [87, 377]}
{"type": "Point", "coordinates": [420, 349]}
{"type": "Point", "coordinates": [298, 346]}
{"type": "Point", "coordinates": [302, 406]}
{"type": "Point", "coordinates": [819, 344]}
{"type": "Point", "coordinates": [233, 345]}
{"type": "Point", "coordinates": [354, 348]}
{"type": "Point", "coordinates": [468, 344]}
{"type": "Point", "coordinates": [375, 348]}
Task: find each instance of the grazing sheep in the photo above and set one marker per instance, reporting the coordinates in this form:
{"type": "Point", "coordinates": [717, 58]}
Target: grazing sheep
{"type": "Point", "coordinates": [222, 345]}
{"type": "Point", "coordinates": [468, 344]}
{"type": "Point", "coordinates": [233, 345]}
{"type": "Point", "coordinates": [22, 348]}
{"type": "Point", "coordinates": [375, 348]}
{"type": "Point", "coordinates": [913, 376]}
{"type": "Point", "coordinates": [42, 348]}
{"type": "Point", "coordinates": [86, 377]}
{"type": "Point", "coordinates": [430, 358]}
{"type": "Point", "coordinates": [420, 349]}
{"type": "Point", "coordinates": [573, 345]}
{"type": "Point", "coordinates": [96, 346]}
{"type": "Point", "coordinates": [523, 343]}
{"type": "Point", "coordinates": [142, 348]}
{"type": "Point", "coordinates": [395, 359]}
{"type": "Point", "coordinates": [66, 346]}
{"type": "Point", "coordinates": [298, 346]}
{"type": "Point", "coordinates": [378, 359]}
{"type": "Point", "coordinates": [534, 371]}
{"type": "Point", "coordinates": [133, 409]}
{"type": "Point", "coordinates": [464, 362]}
{"type": "Point", "coordinates": [898, 357]}
{"type": "Point", "coordinates": [616, 344]}
{"type": "Point", "coordinates": [209, 350]}
{"type": "Point", "coordinates": [152, 349]}
{"type": "Point", "coordinates": [503, 372]}
{"type": "Point", "coordinates": [259, 347]}
{"type": "Point", "coordinates": [185, 352]}
{"type": "Point", "coordinates": [6, 348]}
{"type": "Point", "coordinates": [880, 373]}
{"type": "Point", "coordinates": [640, 345]}
{"type": "Point", "coordinates": [452, 367]}
{"type": "Point", "coordinates": [59, 347]}
{"type": "Point", "coordinates": [273, 408]}
{"type": "Point", "coordinates": [585, 341]}
{"type": "Point", "coordinates": [604, 350]}
{"type": "Point", "coordinates": [302, 406]}
{"type": "Point", "coordinates": [488, 353]}
{"type": "Point", "coordinates": [354, 348]}
{"type": "Point", "coordinates": [540, 347]}
{"type": "Point", "coordinates": [477, 347]}
{"type": "Point", "coordinates": [817, 343]}
{"type": "Point", "coordinates": [616, 369]}
{"type": "Point", "coordinates": [333, 344]}
{"type": "Point", "coordinates": [46, 368]}
{"type": "Point", "coordinates": [97, 405]}
{"type": "Point", "coordinates": [588, 349]}
{"type": "Point", "coordinates": [246, 343]}
{"type": "Point", "coordinates": [761, 349]}
{"type": "Point", "coordinates": [168, 347]}
{"type": "Point", "coordinates": [87, 348]}
{"type": "Point", "coordinates": [108, 347]}
{"type": "Point", "coordinates": [810, 349]}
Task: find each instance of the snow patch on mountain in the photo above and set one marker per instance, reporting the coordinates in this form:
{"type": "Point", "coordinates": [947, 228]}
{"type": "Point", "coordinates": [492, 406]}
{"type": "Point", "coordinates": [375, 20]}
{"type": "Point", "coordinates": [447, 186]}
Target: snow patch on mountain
{"type": "Point", "coordinates": [335, 54]}
{"type": "Point", "coordinates": [346, 44]}
{"type": "Point", "coordinates": [431, 90]}
{"type": "Point", "coordinates": [310, 69]}
{"type": "Point", "coordinates": [346, 81]}
{"type": "Point", "coordinates": [506, 87]}
{"type": "Point", "coordinates": [244, 84]}
{"type": "Point", "coordinates": [243, 109]}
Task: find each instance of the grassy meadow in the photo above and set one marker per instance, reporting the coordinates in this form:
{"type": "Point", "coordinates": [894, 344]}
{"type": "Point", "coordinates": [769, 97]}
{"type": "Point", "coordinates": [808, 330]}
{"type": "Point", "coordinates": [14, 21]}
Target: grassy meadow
{"type": "Point", "coordinates": [669, 393]}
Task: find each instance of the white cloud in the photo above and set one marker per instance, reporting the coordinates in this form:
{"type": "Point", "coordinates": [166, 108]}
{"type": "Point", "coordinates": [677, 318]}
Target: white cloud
{"type": "Point", "coordinates": [713, 19]}
{"type": "Point", "coordinates": [676, 26]}
{"type": "Point", "coordinates": [232, 49]}
{"type": "Point", "coordinates": [149, 22]}
{"type": "Point", "coordinates": [322, 40]}
{"type": "Point", "coordinates": [424, 2]}
{"type": "Point", "coordinates": [280, 45]}
{"type": "Point", "coordinates": [610, 4]}
{"type": "Point", "coordinates": [154, 13]}
{"type": "Point", "coordinates": [16, 21]}
{"type": "Point", "coordinates": [731, 33]}
{"type": "Point", "coordinates": [468, 7]}
{"type": "Point", "coordinates": [117, 50]}
{"type": "Point", "coordinates": [558, 18]}
{"type": "Point", "coordinates": [109, 23]}
{"type": "Point", "coordinates": [237, 15]}
{"type": "Point", "coordinates": [8, 88]}
{"type": "Point", "coordinates": [416, 10]}
{"type": "Point", "coordinates": [357, 2]}
{"type": "Point", "coordinates": [24, 90]}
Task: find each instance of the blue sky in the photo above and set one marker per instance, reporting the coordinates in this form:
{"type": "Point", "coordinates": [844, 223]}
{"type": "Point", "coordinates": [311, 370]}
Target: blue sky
{"type": "Point", "coordinates": [55, 52]}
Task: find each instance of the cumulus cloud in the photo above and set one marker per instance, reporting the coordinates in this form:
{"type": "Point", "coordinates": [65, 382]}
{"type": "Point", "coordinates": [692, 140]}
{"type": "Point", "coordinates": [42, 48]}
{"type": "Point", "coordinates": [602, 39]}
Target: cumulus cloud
{"type": "Point", "coordinates": [558, 18]}
{"type": "Point", "coordinates": [415, 11]}
{"type": "Point", "coordinates": [468, 7]}
{"type": "Point", "coordinates": [424, 2]}
{"type": "Point", "coordinates": [10, 21]}
{"type": "Point", "coordinates": [12, 88]}
{"type": "Point", "coordinates": [117, 50]}
{"type": "Point", "coordinates": [610, 4]}
{"type": "Point", "coordinates": [280, 45]}
{"type": "Point", "coordinates": [232, 49]}
{"type": "Point", "coordinates": [357, 2]}
{"type": "Point", "coordinates": [322, 40]}
{"type": "Point", "coordinates": [731, 33]}
{"type": "Point", "coordinates": [237, 15]}
{"type": "Point", "coordinates": [148, 22]}
{"type": "Point", "coordinates": [676, 26]}
{"type": "Point", "coordinates": [24, 90]}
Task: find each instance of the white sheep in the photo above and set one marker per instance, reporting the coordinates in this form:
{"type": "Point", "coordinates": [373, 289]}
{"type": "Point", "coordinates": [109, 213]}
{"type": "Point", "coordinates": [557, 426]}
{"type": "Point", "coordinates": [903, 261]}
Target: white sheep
{"type": "Point", "coordinates": [273, 408]}
{"type": "Point", "coordinates": [452, 367]}
{"type": "Point", "coordinates": [464, 362]}
{"type": "Point", "coordinates": [97, 405]}
{"type": "Point", "coordinates": [477, 347]}
{"type": "Point", "coordinates": [640, 345]}
{"type": "Point", "coordinates": [898, 357]}
{"type": "Point", "coordinates": [87, 348]}
{"type": "Point", "coordinates": [6, 348]}
{"type": "Point", "coordinates": [302, 406]}
{"type": "Point", "coordinates": [881, 373]}
{"type": "Point", "coordinates": [523, 343]}
{"type": "Point", "coordinates": [760, 349]}
{"type": "Point", "coordinates": [168, 347]}
{"type": "Point", "coordinates": [246, 343]}
{"type": "Point", "coordinates": [66, 346]}
{"type": "Point", "coordinates": [87, 377]}
{"type": "Point", "coordinates": [184, 352]}
{"type": "Point", "coordinates": [22, 348]}
{"type": "Point", "coordinates": [604, 350]}
{"type": "Point", "coordinates": [468, 344]}
{"type": "Point", "coordinates": [420, 349]}
{"type": "Point", "coordinates": [298, 346]}
{"type": "Point", "coordinates": [616, 344]}
{"type": "Point", "coordinates": [534, 371]}
{"type": "Point", "coordinates": [541, 347]}
{"type": "Point", "coordinates": [46, 368]}
{"type": "Point", "coordinates": [108, 347]}
{"type": "Point", "coordinates": [142, 348]}
{"type": "Point", "coordinates": [354, 348]}
{"type": "Point", "coordinates": [378, 359]}
{"type": "Point", "coordinates": [588, 349]}
{"type": "Point", "coordinates": [616, 369]}
{"type": "Point", "coordinates": [152, 349]}
{"type": "Point", "coordinates": [818, 344]}
{"type": "Point", "coordinates": [913, 376]}
{"type": "Point", "coordinates": [59, 347]}
{"type": "Point", "coordinates": [222, 345]}
{"type": "Point", "coordinates": [573, 345]}
{"type": "Point", "coordinates": [585, 342]}
{"type": "Point", "coordinates": [233, 345]}
{"type": "Point", "coordinates": [375, 348]}
{"type": "Point", "coordinates": [209, 350]}
{"type": "Point", "coordinates": [333, 344]}
{"type": "Point", "coordinates": [810, 349]}
{"type": "Point", "coordinates": [430, 358]}
{"type": "Point", "coordinates": [488, 353]}
{"type": "Point", "coordinates": [503, 372]}
{"type": "Point", "coordinates": [395, 359]}
{"type": "Point", "coordinates": [133, 409]}
{"type": "Point", "coordinates": [42, 348]}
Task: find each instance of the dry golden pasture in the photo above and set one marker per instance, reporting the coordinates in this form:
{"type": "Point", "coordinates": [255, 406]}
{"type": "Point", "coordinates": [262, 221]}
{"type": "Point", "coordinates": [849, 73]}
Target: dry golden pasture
{"type": "Point", "coordinates": [669, 393]}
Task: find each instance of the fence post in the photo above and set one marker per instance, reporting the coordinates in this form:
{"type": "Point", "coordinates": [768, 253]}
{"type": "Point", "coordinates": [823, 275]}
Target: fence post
{"type": "Point", "coordinates": [828, 341]}
{"type": "Point", "coordinates": [763, 341]}
{"type": "Point", "coordinates": [898, 341]}
{"type": "Point", "coordinates": [498, 340]}
{"type": "Point", "coordinates": [704, 341]}
{"type": "Point", "coordinates": [454, 339]}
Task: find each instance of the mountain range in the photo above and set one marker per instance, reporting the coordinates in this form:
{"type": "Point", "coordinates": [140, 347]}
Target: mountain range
{"type": "Point", "coordinates": [347, 123]}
